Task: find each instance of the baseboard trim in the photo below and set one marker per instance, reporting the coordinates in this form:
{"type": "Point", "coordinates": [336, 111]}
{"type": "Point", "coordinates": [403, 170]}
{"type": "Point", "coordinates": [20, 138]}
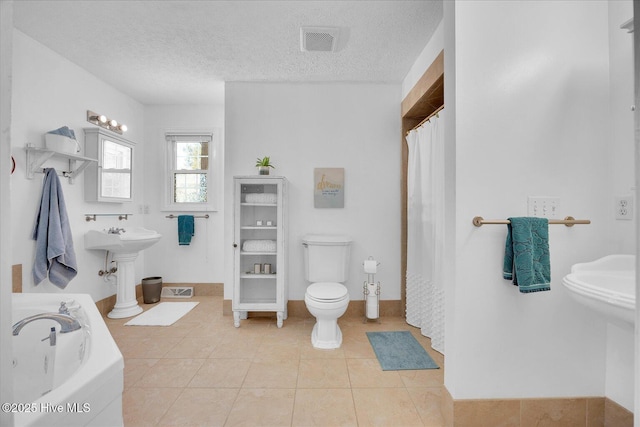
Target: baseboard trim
{"type": "Point", "coordinates": [199, 289]}
{"type": "Point", "coordinates": [297, 308]}
{"type": "Point", "coordinates": [578, 411]}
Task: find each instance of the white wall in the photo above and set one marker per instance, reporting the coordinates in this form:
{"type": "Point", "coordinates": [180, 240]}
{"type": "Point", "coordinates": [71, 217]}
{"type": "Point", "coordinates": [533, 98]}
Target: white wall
{"type": "Point", "coordinates": [49, 92]}
{"type": "Point", "coordinates": [620, 352]}
{"type": "Point", "coordinates": [621, 116]}
{"type": "Point", "coordinates": [304, 126]}
{"type": "Point", "coordinates": [431, 50]}
{"type": "Point", "coordinates": [531, 105]}
{"type": "Point", "coordinates": [203, 260]}
{"type": "Point", "coordinates": [6, 367]}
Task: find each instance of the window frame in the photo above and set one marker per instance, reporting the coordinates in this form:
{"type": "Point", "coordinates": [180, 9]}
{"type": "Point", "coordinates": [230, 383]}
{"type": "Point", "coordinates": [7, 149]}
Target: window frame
{"type": "Point", "coordinates": [214, 170]}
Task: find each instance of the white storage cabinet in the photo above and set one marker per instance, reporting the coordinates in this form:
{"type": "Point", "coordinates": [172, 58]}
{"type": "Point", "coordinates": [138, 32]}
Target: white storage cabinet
{"type": "Point", "coordinates": [260, 246]}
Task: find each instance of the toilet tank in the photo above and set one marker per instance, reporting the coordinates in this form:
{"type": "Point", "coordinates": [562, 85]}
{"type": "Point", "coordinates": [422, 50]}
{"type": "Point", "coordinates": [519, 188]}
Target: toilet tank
{"type": "Point", "coordinates": [326, 258]}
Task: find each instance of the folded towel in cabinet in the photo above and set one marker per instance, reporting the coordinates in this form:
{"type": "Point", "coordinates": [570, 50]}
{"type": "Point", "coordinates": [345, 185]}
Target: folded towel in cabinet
{"type": "Point", "coordinates": [261, 198]}
{"type": "Point", "coordinates": [259, 246]}
{"type": "Point", "coordinates": [186, 229]}
{"type": "Point", "coordinates": [526, 257]}
{"type": "Point", "coordinates": [55, 256]}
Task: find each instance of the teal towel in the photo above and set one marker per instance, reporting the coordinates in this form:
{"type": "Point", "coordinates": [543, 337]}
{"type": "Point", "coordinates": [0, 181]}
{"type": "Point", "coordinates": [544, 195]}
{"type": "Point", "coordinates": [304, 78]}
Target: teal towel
{"type": "Point", "coordinates": [526, 255]}
{"type": "Point", "coordinates": [185, 229]}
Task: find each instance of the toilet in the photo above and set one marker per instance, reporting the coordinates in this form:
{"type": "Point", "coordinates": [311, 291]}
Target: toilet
{"type": "Point", "coordinates": [326, 265]}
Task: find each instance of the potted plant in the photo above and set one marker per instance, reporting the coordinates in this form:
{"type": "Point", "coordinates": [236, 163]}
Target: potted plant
{"type": "Point", "coordinates": [263, 165]}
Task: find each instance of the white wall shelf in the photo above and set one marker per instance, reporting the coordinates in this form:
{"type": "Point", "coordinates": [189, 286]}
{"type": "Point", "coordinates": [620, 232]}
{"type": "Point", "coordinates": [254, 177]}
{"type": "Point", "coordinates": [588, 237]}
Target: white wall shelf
{"type": "Point", "coordinates": [37, 157]}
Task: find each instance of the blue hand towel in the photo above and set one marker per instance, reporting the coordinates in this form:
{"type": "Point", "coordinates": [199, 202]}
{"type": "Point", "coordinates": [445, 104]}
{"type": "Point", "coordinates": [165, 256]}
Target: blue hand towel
{"type": "Point", "coordinates": [185, 229]}
{"type": "Point", "coordinates": [54, 244]}
{"type": "Point", "coordinates": [526, 256]}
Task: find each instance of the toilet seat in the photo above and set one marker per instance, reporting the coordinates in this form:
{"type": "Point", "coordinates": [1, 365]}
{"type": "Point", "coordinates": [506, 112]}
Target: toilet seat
{"type": "Point", "coordinates": [327, 292]}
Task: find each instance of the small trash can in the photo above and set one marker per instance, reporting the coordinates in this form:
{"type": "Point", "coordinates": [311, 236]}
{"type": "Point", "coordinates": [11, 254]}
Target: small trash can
{"type": "Point", "coordinates": [151, 289]}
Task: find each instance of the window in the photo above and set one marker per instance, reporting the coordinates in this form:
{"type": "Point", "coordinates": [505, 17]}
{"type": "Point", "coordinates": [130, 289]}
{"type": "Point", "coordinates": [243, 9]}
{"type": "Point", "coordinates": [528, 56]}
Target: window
{"type": "Point", "coordinates": [192, 171]}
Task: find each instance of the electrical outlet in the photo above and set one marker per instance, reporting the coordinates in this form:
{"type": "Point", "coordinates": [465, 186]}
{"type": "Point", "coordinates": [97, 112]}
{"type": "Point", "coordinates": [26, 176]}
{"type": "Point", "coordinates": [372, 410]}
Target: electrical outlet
{"type": "Point", "coordinates": [543, 207]}
{"type": "Point", "coordinates": [624, 207]}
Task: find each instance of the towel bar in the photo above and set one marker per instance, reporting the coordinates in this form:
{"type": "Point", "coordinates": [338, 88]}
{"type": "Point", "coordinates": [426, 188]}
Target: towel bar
{"type": "Point", "coordinates": [569, 221]}
{"type": "Point", "coordinates": [206, 216]}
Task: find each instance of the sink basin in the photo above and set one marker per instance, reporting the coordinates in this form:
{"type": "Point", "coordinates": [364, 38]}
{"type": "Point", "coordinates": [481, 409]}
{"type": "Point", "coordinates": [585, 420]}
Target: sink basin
{"type": "Point", "coordinates": [132, 240]}
{"type": "Point", "coordinates": [606, 285]}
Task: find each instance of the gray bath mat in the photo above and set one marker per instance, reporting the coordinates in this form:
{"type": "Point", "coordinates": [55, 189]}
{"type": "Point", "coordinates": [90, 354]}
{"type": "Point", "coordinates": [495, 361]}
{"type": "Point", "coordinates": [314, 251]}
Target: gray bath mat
{"type": "Point", "coordinates": [399, 350]}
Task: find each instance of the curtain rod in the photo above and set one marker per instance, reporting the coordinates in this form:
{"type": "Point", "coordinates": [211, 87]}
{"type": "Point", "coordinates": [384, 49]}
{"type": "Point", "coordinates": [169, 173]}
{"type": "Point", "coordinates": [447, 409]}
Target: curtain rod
{"type": "Point", "coordinates": [171, 216]}
{"type": "Point", "coordinates": [426, 119]}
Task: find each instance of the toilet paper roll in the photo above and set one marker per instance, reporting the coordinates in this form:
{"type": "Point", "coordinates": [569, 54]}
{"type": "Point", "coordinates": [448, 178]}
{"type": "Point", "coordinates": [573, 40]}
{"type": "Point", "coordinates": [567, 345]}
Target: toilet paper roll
{"type": "Point", "coordinates": [372, 301]}
{"type": "Point", "coordinates": [370, 266]}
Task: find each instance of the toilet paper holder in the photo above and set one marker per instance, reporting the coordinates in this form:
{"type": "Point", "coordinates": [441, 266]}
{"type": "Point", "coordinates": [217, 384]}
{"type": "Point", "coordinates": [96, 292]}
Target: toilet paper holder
{"type": "Point", "coordinates": [371, 291]}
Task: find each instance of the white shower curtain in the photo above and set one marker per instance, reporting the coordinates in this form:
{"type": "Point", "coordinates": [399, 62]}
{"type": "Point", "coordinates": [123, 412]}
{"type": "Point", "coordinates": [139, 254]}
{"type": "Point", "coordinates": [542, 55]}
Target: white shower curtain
{"type": "Point", "coordinates": [425, 230]}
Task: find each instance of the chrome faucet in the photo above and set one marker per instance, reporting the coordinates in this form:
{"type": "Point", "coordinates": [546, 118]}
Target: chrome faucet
{"type": "Point", "coordinates": [114, 230]}
{"type": "Point", "coordinates": [67, 323]}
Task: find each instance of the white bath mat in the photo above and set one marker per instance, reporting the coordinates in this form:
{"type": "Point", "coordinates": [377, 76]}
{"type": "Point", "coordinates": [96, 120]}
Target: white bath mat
{"type": "Point", "coordinates": [163, 314]}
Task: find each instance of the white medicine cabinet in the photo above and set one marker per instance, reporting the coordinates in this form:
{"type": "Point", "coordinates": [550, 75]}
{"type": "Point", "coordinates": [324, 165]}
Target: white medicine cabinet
{"type": "Point", "coordinates": [111, 178]}
{"type": "Point", "coordinates": [260, 247]}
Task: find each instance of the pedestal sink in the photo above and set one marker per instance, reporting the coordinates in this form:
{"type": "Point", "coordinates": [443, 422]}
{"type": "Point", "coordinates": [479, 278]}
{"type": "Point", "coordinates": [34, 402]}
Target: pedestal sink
{"type": "Point", "coordinates": [606, 285]}
{"type": "Point", "coordinates": [124, 245]}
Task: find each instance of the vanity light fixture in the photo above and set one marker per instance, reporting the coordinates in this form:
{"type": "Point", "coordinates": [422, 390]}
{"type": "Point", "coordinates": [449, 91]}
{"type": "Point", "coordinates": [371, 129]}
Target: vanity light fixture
{"type": "Point", "coordinates": [102, 121]}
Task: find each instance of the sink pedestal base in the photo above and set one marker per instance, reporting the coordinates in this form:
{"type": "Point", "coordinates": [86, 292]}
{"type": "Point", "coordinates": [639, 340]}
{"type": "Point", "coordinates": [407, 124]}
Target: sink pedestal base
{"type": "Point", "coordinates": [126, 302]}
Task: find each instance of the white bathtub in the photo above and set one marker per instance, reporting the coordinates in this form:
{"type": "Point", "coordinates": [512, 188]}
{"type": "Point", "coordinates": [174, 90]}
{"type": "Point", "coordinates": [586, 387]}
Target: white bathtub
{"type": "Point", "coordinates": [77, 382]}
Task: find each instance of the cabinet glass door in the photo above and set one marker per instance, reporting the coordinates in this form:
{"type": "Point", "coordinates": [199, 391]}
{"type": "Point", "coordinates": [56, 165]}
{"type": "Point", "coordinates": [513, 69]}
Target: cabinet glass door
{"type": "Point", "coordinates": [258, 237]}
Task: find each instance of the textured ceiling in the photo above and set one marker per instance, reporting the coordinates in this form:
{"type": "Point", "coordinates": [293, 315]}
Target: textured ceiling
{"type": "Point", "coordinates": [179, 52]}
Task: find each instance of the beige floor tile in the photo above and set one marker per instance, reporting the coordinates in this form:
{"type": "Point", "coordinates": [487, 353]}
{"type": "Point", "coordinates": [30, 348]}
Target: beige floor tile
{"type": "Point", "coordinates": [262, 407]}
{"type": "Point", "coordinates": [178, 329]}
{"type": "Point", "coordinates": [385, 407]}
{"type": "Point", "coordinates": [307, 351]}
{"type": "Point", "coordinates": [221, 373]}
{"type": "Point", "coordinates": [357, 346]}
{"type": "Point", "coordinates": [366, 373]}
{"type": "Point", "coordinates": [272, 373]}
{"type": "Point", "coordinates": [203, 371]}
{"type": "Point", "coordinates": [134, 369]}
{"type": "Point", "coordinates": [193, 348]}
{"type": "Point", "coordinates": [200, 407]}
{"type": "Point", "coordinates": [422, 377]}
{"type": "Point", "coordinates": [323, 373]}
{"type": "Point", "coordinates": [324, 407]}
{"type": "Point", "coordinates": [143, 407]}
{"type": "Point", "coordinates": [427, 401]}
{"type": "Point", "coordinates": [237, 344]}
{"type": "Point", "coordinates": [170, 373]}
{"type": "Point", "coordinates": [148, 347]}
{"type": "Point", "coordinates": [276, 348]}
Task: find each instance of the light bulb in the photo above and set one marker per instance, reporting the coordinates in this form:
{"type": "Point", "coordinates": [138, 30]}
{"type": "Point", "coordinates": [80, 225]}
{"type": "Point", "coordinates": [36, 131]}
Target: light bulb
{"type": "Point", "coordinates": [123, 128]}
{"type": "Point", "coordinates": [102, 118]}
{"type": "Point", "coordinates": [113, 123]}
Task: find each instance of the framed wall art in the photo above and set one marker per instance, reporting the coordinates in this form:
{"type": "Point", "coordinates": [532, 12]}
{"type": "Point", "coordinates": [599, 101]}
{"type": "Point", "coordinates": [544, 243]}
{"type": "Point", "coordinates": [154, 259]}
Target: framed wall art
{"type": "Point", "coordinates": [328, 184]}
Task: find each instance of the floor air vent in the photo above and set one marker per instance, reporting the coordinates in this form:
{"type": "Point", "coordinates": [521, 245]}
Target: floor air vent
{"type": "Point", "coordinates": [177, 292]}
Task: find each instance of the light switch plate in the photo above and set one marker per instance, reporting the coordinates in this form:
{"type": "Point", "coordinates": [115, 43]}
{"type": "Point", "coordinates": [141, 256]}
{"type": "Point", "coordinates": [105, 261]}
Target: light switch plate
{"type": "Point", "coordinates": [544, 206]}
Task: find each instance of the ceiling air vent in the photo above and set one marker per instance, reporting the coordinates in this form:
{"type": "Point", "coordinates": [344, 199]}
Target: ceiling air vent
{"type": "Point", "coordinates": [318, 39]}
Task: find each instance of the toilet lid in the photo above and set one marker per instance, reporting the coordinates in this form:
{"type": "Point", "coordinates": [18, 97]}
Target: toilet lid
{"type": "Point", "coordinates": [327, 291]}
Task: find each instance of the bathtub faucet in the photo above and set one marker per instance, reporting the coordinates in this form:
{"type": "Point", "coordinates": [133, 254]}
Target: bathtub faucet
{"type": "Point", "coordinates": [67, 323]}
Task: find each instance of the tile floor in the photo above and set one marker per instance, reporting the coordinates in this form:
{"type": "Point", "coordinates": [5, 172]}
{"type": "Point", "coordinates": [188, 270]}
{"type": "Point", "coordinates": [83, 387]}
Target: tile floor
{"type": "Point", "coordinates": [201, 371]}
